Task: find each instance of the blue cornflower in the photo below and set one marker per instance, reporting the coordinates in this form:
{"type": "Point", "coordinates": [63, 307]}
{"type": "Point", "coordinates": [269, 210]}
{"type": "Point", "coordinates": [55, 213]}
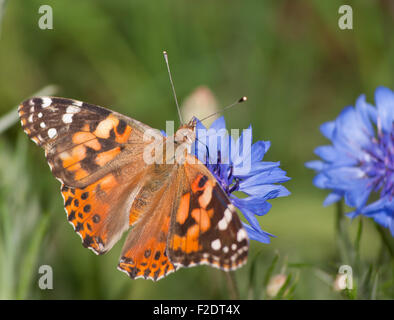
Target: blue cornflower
{"type": "Point", "coordinates": [360, 161]}
{"type": "Point", "coordinates": [237, 165]}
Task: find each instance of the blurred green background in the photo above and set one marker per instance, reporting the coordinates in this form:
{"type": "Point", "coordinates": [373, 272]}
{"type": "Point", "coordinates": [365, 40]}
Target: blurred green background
{"type": "Point", "coordinates": [289, 57]}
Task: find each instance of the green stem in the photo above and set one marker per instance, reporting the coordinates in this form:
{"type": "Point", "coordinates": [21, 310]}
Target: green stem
{"type": "Point", "coordinates": [2, 11]}
{"type": "Point", "coordinates": [232, 285]}
{"type": "Point", "coordinates": [339, 216]}
{"type": "Point", "coordinates": [386, 240]}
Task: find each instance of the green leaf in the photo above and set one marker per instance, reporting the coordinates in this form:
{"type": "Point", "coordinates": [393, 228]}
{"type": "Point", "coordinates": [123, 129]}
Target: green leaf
{"type": "Point", "coordinates": [374, 291]}
{"type": "Point", "coordinates": [270, 269]}
{"type": "Point", "coordinates": [358, 236]}
{"type": "Point", "coordinates": [253, 287]}
{"type": "Point", "coordinates": [28, 262]}
{"type": "Point", "coordinates": [282, 290]}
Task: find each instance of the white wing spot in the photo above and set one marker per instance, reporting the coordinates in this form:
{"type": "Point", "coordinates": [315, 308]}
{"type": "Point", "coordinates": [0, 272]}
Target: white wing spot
{"type": "Point", "coordinates": [233, 247]}
{"type": "Point", "coordinates": [73, 109]}
{"type": "Point", "coordinates": [30, 118]}
{"type": "Point", "coordinates": [225, 249]}
{"type": "Point", "coordinates": [42, 125]}
{"type": "Point", "coordinates": [40, 115]}
{"type": "Point", "coordinates": [52, 132]}
{"type": "Point", "coordinates": [241, 235]}
{"type": "Point", "coordinates": [216, 244]}
{"type": "Point", "coordinates": [234, 257]}
{"type": "Point", "coordinates": [222, 225]}
{"type": "Point", "coordinates": [46, 102]}
{"type": "Point", "coordinates": [32, 109]}
{"type": "Point", "coordinates": [228, 214]}
{"type": "Point", "coordinates": [68, 118]}
{"type": "Point", "coordinates": [78, 103]}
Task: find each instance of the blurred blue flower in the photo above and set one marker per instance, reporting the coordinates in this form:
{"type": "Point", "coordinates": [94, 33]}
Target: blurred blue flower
{"type": "Point", "coordinates": [237, 165]}
{"type": "Point", "coordinates": [360, 161]}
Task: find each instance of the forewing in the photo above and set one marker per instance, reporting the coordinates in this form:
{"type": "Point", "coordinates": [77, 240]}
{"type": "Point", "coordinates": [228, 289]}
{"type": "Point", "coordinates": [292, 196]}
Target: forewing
{"type": "Point", "coordinates": [82, 142]}
{"type": "Point", "coordinates": [97, 155]}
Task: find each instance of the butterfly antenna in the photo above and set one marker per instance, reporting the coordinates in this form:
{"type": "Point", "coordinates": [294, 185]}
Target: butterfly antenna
{"type": "Point", "coordinates": [172, 86]}
{"type": "Point", "coordinates": [243, 99]}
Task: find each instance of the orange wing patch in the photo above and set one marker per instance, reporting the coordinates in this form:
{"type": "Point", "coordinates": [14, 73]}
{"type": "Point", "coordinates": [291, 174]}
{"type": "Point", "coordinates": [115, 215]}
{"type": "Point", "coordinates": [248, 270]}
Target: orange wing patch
{"type": "Point", "coordinates": [87, 211]}
{"type": "Point", "coordinates": [78, 172]}
{"type": "Point", "coordinates": [104, 157]}
{"type": "Point", "coordinates": [121, 129]}
{"type": "Point", "coordinates": [202, 218]}
{"type": "Point", "coordinates": [87, 151]}
{"type": "Point", "coordinates": [149, 261]}
{"type": "Point", "coordinates": [183, 209]}
{"type": "Point", "coordinates": [196, 221]}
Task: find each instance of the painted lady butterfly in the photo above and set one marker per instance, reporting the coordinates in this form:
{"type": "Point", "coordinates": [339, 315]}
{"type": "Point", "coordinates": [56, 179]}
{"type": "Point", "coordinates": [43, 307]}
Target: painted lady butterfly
{"type": "Point", "coordinates": [179, 214]}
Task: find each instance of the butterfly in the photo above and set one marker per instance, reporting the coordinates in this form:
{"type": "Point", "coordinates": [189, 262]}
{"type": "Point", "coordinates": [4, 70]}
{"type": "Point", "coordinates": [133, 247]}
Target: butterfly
{"type": "Point", "coordinates": [177, 212]}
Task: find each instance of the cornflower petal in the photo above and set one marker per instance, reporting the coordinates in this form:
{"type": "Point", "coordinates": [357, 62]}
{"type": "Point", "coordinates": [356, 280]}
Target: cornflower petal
{"type": "Point", "coordinates": [360, 160]}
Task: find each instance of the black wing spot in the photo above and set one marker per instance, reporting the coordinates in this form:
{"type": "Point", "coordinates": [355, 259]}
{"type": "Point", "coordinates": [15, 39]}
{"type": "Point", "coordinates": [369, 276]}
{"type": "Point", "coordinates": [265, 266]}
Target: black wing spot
{"type": "Point", "coordinates": [133, 272]}
{"type": "Point", "coordinates": [68, 201]}
{"type": "Point", "coordinates": [166, 269]}
{"type": "Point", "coordinates": [87, 241]}
{"type": "Point", "coordinates": [202, 181]}
{"type": "Point", "coordinates": [157, 255]}
{"type": "Point", "coordinates": [121, 127]}
{"type": "Point", "coordinates": [147, 253]}
{"type": "Point", "coordinates": [71, 216]}
{"type": "Point", "coordinates": [147, 272]}
{"type": "Point", "coordinates": [84, 195]}
{"type": "Point", "coordinates": [79, 227]}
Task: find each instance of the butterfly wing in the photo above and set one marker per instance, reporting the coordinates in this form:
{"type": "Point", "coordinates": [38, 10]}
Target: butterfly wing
{"type": "Point", "coordinates": [144, 254]}
{"type": "Point", "coordinates": [205, 228]}
{"type": "Point", "coordinates": [82, 142]}
{"type": "Point", "coordinates": [100, 212]}
{"type": "Point", "coordinates": [97, 155]}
